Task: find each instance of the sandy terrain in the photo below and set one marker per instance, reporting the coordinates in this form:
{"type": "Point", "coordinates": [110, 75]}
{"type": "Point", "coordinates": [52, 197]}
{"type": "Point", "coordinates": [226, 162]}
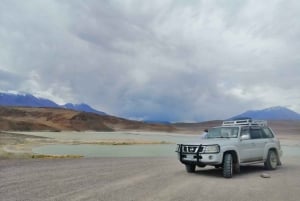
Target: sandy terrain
{"type": "Point", "coordinates": [147, 179]}
{"type": "Point", "coordinates": [124, 179]}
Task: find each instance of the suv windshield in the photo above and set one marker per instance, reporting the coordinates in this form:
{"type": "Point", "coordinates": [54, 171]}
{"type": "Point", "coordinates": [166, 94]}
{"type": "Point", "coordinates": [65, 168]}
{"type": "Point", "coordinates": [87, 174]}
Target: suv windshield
{"type": "Point", "coordinates": [223, 132]}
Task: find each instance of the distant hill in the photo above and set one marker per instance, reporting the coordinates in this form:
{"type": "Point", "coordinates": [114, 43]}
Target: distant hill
{"type": "Point", "coordinates": [82, 107]}
{"type": "Point", "coordinates": [273, 113]}
{"type": "Point", "coordinates": [28, 100]}
{"type": "Point", "coordinates": [196, 128]}
{"type": "Point", "coordinates": [157, 122]}
{"type": "Point", "coordinates": [60, 119]}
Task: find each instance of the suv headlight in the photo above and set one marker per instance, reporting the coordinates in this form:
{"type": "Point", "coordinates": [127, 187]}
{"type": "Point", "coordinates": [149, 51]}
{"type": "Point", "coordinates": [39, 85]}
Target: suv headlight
{"type": "Point", "coordinates": [209, 149]}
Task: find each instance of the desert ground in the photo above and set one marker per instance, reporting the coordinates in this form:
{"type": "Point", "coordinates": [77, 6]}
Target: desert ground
{"type": "Point", "coordinates": [149, 179]}
{"type": "Point", "coordinates": [138, 178]}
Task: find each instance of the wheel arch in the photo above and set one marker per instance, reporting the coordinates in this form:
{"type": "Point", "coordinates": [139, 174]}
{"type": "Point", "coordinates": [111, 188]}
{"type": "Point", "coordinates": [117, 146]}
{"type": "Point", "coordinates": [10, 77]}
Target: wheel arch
{"type": "Point", "coordinates": [267, 149]}
{"type": "Point", "coordinates": [235, 156]}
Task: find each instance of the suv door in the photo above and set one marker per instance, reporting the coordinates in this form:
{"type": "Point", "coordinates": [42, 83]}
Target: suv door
{"type": "Point", "coordinates": [252, 149]}
{"type": "Point", "coordinates": [245, 146]}
{"type": "Point", "coordinates": [259, 142]}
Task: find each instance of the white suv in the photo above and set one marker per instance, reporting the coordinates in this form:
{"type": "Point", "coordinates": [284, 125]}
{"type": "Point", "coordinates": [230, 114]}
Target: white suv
{"type": "Point", "coordinates": [235, 143]}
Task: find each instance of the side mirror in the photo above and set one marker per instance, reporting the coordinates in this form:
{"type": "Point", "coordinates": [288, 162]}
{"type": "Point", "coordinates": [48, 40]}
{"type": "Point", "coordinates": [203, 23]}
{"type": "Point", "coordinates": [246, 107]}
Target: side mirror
{"type": "Point", "coordinates": [245, 137]}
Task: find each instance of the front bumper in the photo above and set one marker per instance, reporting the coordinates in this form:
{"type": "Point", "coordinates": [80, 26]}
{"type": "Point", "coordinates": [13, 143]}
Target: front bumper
{"type": "Point", "coordinates": [202, 159]}
{"type": "Point", "coordinates": [197, 157]}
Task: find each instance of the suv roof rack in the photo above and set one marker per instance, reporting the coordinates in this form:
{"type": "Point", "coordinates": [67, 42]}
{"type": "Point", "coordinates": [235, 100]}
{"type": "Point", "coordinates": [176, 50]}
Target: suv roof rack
{"type": "Point", "coordinates": [247, 122]}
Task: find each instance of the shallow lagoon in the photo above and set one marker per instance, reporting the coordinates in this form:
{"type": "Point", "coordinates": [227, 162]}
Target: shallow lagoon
{"type": "Point", "coordinates": [87, 150]}
{"type": "Point", "coordinates": [147, 150]}
{"type": "Point", "coordinates": [167, 137]}
{"type": "Point", "coordinates": [94, 150]}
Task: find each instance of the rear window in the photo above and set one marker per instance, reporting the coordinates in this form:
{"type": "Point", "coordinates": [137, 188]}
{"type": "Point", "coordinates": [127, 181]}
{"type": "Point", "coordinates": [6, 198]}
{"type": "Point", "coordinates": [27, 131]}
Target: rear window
{"type": "Point", "coordinates": [267, 133]}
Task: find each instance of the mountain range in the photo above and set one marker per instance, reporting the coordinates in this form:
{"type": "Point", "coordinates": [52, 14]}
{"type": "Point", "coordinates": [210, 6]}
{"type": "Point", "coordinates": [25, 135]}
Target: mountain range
{"type": "Point", "coordinates": [28, 100]}
{"type": "Point", "coordinates": [272, 113]}
{"type": "Point", "coordinates": [25, 112]}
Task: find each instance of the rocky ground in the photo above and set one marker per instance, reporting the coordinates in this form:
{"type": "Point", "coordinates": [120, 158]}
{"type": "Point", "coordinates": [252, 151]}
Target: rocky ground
{"type": "Point", "coordinates": [135, 179]}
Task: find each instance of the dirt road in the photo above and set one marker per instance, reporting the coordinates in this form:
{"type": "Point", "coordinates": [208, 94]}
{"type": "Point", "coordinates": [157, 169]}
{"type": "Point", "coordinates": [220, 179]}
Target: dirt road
{"type": "Point", "coordinates": [141, 179]}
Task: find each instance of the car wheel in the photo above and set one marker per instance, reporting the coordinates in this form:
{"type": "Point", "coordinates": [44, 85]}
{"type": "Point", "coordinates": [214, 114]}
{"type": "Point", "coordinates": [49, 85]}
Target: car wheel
{"type": "Point", "coordinates": [227, 166]}
{"type": "Point", "coordinates": [202, 165]}
{"type": "Point", "coordinates": [272, 160]}
{"type": "Point", "coordinates": [236, 167]}
{"type": "Point", "coordinates": [190, 168]}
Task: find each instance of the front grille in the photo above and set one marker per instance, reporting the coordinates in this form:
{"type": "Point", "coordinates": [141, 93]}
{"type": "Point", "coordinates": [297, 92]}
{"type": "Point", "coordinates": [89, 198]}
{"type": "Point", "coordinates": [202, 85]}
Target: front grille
{"type": "Point", "coordinates": [191, 148]}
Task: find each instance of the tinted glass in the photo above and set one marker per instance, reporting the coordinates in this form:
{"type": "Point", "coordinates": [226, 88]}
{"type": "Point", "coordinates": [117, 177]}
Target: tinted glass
{"type": "Point", "coordinates": [223, 132]}
{"type": "Point", "coordinates": [255, 133]}
{"type": "Point", "coordinates": [267, 133]}
{"type": "Point", "coordinates": [245, 131]}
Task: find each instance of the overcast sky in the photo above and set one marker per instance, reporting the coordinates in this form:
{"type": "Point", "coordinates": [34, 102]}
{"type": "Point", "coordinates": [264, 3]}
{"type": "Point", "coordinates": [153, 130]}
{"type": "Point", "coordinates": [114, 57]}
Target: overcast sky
{"type": "Point", "coordinates": [174, 60]}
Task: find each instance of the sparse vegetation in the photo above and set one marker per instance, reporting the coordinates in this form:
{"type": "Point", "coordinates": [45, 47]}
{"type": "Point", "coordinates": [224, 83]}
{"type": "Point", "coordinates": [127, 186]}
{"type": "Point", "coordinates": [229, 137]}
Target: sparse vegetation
{"type": "Point", "coordinates": [124, 142]}
{"type": "Point", "coordinates": [55, 156]}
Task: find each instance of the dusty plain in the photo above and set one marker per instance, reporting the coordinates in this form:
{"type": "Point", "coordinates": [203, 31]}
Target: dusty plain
{"type": "Point", "coordinates": [141, 178]}
{"type": "Point", "coordinates": [149, 179]}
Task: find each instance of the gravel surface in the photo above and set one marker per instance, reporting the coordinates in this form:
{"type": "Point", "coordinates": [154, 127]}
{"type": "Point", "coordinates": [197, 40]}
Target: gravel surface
{"type": "Point", "coordinates": [141, 179]}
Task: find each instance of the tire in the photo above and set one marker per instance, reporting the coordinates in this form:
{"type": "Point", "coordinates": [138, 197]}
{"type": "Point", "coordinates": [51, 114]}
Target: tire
{"type": "Point", "coordinates": [201, 166]}
{"type": "Point", "coordinates": [236, 168]}
{"type": "Point", "coordinates": [190, 168]}
{"type": "Point", "coordinates": [272, 160]}
{"type": "Point", "coordinates": [227, 166]}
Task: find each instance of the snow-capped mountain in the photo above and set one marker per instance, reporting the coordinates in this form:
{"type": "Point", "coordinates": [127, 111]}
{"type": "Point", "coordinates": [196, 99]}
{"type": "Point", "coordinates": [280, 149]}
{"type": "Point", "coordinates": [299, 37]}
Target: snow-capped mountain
{"type": "Point", "coordinates": [28, 100]}
{"type": "Point", "coordinates": [272, 113]}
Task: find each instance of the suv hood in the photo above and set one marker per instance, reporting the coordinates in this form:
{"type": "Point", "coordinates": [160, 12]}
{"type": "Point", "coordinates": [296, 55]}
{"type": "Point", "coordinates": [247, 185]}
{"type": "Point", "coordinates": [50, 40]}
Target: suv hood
{"type": "Point", "coordinates": [219, 141]}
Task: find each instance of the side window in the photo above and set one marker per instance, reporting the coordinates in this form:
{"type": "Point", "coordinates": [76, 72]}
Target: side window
{"type": "Point", "coordinates": [245, 131]}
{"type": "Point", "coordinates": [256, 133]}
{"type": "Point", "coordinates": [267, 133]}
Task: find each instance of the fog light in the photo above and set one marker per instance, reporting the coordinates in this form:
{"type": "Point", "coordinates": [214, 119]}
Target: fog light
{"type": "Point", "coordinates": [210, 157]}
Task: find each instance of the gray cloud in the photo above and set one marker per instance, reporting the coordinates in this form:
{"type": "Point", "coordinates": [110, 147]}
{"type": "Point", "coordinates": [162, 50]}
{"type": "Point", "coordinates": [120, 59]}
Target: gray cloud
{"type": "Point", "coordinates": [171, 60]}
